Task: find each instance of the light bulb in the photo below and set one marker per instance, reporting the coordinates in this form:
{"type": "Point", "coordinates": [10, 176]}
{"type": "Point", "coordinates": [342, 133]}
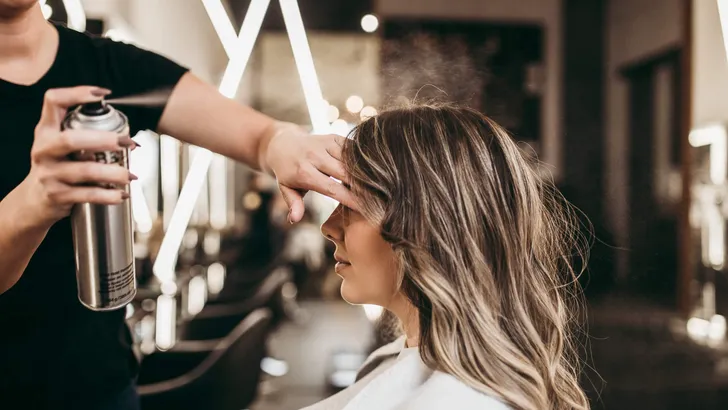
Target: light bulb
{"type": "Point", "coordinates": [354, 104]}
{"type": "Point", "coordinates": [367, 112]}
{"type": "Point", "coordinates": [369, 23]}
{"type": "Point", "coordinates": [332, 113]}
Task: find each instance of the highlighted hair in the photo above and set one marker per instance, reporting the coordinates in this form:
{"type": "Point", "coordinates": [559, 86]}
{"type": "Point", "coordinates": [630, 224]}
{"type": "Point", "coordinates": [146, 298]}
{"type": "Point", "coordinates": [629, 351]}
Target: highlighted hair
{"type": "Point", "coordinates": [485, 246]}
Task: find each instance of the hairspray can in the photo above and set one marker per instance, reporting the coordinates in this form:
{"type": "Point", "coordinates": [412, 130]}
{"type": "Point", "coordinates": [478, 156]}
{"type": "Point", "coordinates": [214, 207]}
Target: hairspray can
{"type": "Point", "coordinates": [102, 234]}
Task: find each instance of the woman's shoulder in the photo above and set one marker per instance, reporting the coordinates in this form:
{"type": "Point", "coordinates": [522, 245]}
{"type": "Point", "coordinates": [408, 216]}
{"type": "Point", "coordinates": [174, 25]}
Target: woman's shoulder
{"type": "Point", "coordinates": [379, 356]}
{"type": "Point", "coordinates": [443, 391]}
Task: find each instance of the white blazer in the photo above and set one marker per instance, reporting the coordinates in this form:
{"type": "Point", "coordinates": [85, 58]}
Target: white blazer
{"type": "Point", "coordinates": [407, 384]}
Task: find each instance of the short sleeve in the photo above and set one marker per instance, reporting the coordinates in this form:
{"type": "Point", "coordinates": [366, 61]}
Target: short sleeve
{"type": "Point", "coordinates": [130, 70]}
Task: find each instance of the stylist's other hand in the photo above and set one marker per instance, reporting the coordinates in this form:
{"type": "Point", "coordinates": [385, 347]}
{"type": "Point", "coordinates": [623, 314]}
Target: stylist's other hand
{"type": "Point", "coordinates": [55, 183]}
{"type": "Point", "coordinates": [302, 163]}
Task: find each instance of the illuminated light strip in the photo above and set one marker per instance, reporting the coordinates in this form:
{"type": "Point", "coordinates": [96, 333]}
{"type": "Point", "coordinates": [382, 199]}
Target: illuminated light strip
{"type": "Point", "coordinates": [76, 15]}
{"type": "Point", "coordinates": [140, 208]}
{"type": "Point", "coordinates": [165, 322]}
{"type": "Point", "coordinates": [715, 136]}
{"type": "Point", "coordinates": [169, 168]}
{"type": "Point", "coordinates": [723, 13]}
{"type": "Point", "coordinates": [243, 47]}
{"type": "Point", "coordinates": [715, 225]}
{"type": "Point", "coordinates": [169, 249]}
{"type": "Point", "coordinates": [220, 21]}
{"type": "Point", "coordinates": [304, 64]}
{"type": "Point", "coordinates": [218, 204]}
{"type": "Point", "coordinates": [238, 56]}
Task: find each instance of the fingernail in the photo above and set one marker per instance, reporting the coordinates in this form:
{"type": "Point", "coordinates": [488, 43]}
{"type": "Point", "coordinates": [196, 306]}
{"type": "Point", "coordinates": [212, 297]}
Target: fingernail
{"type": "Point", "coordinates": [137, 144]}
{"type": "Point", "coordinates": [100, 92]}
{"type": "Point", "coordinates": [125, 141]}
{"type": "Point", "coordinates": [124, 195]}
{"type": "Point", "coordinates": [290, 221]}
{"type": "Point", "coordinates": [133, 177]}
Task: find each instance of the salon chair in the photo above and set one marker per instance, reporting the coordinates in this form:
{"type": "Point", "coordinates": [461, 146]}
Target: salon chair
{"type": "Point", "coordinates": [226, 378]}
{"type": "Point", "coordinates": [243, 283]}
{"type": "Point", "coordinates": [217, 320]}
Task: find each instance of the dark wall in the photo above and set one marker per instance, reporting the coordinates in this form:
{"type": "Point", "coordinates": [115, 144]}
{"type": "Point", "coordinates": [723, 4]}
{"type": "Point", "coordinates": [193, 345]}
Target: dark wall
{"type": "Point", "coordinates": [323, 15]}
{"type": "Point", "coordinates": [583, 140]}
{"type": "Point", "coordinates": [584, 102]}
{"type": "Point", "coordinates": [484, 65]}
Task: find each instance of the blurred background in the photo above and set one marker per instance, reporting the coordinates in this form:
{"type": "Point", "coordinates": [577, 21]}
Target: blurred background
{"type": "Point", "coordinates": [622, 100]}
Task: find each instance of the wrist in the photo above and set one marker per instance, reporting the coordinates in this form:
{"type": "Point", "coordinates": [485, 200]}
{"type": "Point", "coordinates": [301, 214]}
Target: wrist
{"type": "Point", "coordinates": [263, 146]}
{"type": "Point", "coordinates": [30, 211]}
{"type": "Point", "coordinates": [276, 129]}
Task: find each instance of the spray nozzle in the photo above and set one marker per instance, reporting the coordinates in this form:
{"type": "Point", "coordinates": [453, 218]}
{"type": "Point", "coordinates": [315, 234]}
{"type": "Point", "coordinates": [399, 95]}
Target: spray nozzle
{"type": "Point", "coordinates": [95, 108]}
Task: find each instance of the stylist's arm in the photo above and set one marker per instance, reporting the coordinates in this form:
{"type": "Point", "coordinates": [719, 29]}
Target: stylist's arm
{"type": "Point", "coordinates": [54, 184]}
{"type": "Point", "coordinates": [198, 114]}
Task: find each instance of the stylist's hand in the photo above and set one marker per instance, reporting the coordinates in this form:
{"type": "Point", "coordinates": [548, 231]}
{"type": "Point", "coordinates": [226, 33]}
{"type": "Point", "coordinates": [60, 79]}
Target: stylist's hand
{"type": "Point", "coordinates": [302, 163]}
{"type": "Point", "coordinates": [56, 183]}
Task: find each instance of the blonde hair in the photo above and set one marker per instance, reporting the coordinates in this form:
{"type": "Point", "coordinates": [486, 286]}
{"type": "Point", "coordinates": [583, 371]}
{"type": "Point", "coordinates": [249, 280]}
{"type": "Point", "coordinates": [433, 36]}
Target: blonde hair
{"type": "Point", "coordinates": [485, 247]}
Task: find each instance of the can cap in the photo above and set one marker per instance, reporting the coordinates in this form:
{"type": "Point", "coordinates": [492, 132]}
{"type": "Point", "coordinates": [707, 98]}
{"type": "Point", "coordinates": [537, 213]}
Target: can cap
{"type": "Point", "coordinates": [95, 108]}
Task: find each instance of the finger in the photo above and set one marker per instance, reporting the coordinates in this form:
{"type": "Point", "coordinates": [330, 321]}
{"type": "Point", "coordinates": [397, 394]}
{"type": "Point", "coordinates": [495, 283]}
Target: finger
{"type": "Point", "coordinates": [335, 146]}
{"type": "Point", "coordinates": [94, 195]}
{"type": "Point", "coordinates": [56, 101]}
{"type": "Point", "coordinates": [294, 200]}
{"type": "Point", "coordinates": [327, 186]}
{"type": "Point", "coordinates": [62, 144]}
{"type": "Point", "coordinates": [82, 172]}
{"type": "Point", "coordinates": [333, 168]}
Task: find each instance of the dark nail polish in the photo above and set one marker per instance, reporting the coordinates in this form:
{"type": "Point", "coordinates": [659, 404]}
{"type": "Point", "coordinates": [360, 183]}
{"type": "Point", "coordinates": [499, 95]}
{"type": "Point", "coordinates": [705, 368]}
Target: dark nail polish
{"type": "Point", "coordinates": [100, 92]}
{"type": "Point", "coordinates": [124, 195]}
{"type": "Point", "coordinates": [133, 177]}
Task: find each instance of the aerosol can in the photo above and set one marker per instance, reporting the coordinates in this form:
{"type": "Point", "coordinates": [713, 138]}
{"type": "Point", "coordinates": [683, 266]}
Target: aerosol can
{"type": "Point", "coordinates": [102, 234]}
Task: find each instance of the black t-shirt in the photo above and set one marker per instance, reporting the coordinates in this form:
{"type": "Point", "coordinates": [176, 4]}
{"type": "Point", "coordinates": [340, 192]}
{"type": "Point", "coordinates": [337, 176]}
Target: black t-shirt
{"type": "Point", "coordinates": [55, 353]}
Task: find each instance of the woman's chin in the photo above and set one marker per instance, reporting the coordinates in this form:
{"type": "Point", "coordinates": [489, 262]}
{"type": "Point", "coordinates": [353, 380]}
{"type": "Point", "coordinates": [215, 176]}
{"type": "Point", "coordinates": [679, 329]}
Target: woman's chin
{"type": "Point", "coordinates": [350, 295]}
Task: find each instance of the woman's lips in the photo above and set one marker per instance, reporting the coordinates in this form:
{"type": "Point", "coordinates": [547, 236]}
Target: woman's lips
{"type": "Point", "coordinates": [341, 266]}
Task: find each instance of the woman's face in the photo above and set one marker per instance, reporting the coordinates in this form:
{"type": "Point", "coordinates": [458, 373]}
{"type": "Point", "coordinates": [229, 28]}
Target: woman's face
{"type": "Point", "coordinates": [365, 261]}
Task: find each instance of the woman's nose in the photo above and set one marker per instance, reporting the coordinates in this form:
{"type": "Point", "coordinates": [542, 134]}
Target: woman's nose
{"type": "Point", "coordinates": [332, 228]}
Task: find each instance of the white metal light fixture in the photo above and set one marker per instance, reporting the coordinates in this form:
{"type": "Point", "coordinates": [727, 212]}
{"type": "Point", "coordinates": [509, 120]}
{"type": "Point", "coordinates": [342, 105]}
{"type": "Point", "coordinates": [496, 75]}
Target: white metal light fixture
{"type": "Point", "coordinates": [238, 51]}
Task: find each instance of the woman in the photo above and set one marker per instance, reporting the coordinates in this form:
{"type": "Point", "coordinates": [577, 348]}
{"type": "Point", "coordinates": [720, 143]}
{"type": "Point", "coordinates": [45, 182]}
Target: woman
{"type": "Point", "coordinates": [457, 237]}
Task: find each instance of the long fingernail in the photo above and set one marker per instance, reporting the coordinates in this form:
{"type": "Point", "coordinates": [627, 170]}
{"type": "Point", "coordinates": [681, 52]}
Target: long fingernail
{"type": "Point", "coordinates": [100, 92]}
{"type": "Point", "coordinates": [133, 177]}
{"type": "Point", "coordinates": [124, 195]}
{"type": "Point", "coordinates": [125, 141]}
{"type": "Point", "coordinates": [138, 145]}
